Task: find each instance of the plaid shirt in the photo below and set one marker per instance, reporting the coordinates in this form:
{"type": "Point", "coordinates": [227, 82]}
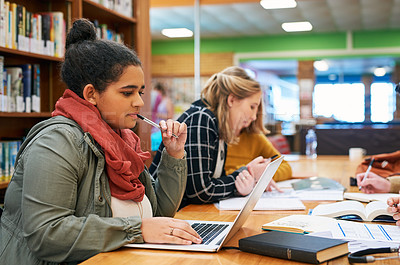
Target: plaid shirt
{"type": "Point", "coordinates": [202, 152]}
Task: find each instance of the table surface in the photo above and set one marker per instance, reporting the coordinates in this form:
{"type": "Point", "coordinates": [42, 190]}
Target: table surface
{"type": "Point", "coordinates": [339, 168]}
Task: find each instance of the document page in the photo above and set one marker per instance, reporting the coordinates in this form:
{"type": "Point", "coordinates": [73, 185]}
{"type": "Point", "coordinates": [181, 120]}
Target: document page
{"type": "Point", "coordinates": [362, 231]}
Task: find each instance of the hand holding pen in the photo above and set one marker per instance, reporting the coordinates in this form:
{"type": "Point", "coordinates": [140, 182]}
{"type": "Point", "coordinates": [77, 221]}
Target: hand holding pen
{"type": "Point", "coordinates": [393, 207]}
{"type": "Point", "coordinates": [173, 133]}
{"type": "Point", "coordinates": [367, 172]}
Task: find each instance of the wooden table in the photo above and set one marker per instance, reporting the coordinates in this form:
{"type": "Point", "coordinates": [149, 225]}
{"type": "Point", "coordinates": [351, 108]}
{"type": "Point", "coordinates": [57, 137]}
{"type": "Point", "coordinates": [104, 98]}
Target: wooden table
{"type": "Point", "coordinates": [335, 167]}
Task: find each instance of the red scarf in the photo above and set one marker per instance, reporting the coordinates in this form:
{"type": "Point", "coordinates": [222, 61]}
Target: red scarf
{"type": "Point", "coordinates": [124, 157]}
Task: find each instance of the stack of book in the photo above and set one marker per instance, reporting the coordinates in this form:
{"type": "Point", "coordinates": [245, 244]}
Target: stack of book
{"type": "Point", "coordinates": [19, 87]}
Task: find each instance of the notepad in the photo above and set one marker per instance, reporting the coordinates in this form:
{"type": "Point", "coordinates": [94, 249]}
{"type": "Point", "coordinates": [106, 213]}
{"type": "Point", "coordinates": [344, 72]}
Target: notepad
{"type": "Point", "coordinates": [301, 224]}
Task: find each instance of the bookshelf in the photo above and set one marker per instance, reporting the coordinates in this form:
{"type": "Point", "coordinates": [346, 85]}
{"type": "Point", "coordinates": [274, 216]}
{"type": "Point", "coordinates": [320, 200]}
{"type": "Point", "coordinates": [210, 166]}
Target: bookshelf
{"type": "Point", "coordinates": [136, 32]}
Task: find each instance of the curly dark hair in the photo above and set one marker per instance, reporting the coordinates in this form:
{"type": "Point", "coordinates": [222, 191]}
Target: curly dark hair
{"type": "Point", "coordinates": [89, 60]}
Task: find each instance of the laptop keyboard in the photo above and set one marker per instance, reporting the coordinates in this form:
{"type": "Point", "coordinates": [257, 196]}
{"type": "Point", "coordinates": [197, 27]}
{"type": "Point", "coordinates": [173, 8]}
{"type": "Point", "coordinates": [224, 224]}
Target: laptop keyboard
{"type": "Point", "coordinates": [208, 231]}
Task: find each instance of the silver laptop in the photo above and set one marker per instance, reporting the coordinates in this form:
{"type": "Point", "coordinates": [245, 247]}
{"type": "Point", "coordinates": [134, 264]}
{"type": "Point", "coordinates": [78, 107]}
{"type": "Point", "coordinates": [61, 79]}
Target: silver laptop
{"type": "Point", "coordinates": [224, 230]}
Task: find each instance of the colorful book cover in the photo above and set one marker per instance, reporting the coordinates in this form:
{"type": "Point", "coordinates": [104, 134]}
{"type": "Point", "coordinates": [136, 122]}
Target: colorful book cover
{"type": "Point", "coordinates": [36, 88]}
{"type": "Point", "coordinates": [27, 86]}
{"type": "Point", "coordinates": [16, 89]}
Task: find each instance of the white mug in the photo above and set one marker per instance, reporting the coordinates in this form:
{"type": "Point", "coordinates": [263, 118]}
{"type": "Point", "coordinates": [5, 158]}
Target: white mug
{"type": "Point", "coordinates": [357, 153]}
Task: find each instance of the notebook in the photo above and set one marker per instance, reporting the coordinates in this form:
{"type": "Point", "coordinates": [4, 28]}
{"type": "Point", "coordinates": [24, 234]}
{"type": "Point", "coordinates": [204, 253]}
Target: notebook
{"type": "Point", "coordinates": [226, 231]}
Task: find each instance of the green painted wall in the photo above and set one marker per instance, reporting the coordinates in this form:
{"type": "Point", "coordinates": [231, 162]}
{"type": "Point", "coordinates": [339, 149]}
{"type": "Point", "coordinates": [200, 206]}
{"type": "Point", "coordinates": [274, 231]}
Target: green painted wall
{"type": "Point", "coordinates": [289, 42]}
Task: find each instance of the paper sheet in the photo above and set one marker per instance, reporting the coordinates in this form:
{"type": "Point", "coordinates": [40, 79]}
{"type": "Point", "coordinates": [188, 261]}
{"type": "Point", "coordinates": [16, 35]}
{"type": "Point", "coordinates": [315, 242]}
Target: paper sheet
{"type": "Point", "coordinates": [279, 203]}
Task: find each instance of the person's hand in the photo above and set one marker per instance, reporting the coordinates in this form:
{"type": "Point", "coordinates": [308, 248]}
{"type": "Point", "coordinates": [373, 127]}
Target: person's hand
{"type": "Point", "coordinates": [174, 146]}
{"type": "Point", "coordinates": [272, 184]}
{"type": "Point", "coordinates": [168, 230]}
{"type": "Point", "coordinates": [244, 183]}
{"type": "Point", "coordinates": [373, 183]}
{"type": "Point", "coordinates": [257, 166]}
{"type": "Point", "coordinates": [394, 207]}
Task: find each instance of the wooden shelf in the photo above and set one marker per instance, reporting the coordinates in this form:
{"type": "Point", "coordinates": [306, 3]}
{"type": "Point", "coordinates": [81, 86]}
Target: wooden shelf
{"type": "Point", "coordinates": [25, 115]}
{"type": "Point", "coordinates": [30, 54]}
{"type": "Point", "coordinates": [106, 12]}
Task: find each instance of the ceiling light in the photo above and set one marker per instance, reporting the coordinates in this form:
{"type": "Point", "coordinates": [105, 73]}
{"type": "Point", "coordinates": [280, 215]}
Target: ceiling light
{"type": "Point", "coordinates": [321, 65]}
{"type": "Point", "coordinates": [277, 4]}
{"type": "Point", "coordinates": [177, 33]}
{"type": "Point", "coordinates": [297, 26]}
{"type": "Point", "coordinates": [380, 71]}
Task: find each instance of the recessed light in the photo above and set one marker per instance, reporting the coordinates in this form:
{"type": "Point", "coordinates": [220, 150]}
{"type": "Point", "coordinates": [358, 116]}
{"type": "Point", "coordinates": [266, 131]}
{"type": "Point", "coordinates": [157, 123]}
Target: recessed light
{"type": "Point", "coordinates": [177, 33]}
{"type": "Point", "coordinates": [297, 26]}
{"type": "Point", "coordinates": [277, 4]}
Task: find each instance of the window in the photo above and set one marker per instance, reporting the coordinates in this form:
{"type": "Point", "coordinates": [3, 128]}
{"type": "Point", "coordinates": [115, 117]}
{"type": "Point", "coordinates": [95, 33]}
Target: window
{"type": "Point", "coordinates": [383, 102]}
{"type": "Point", "coordinates": [343, 102]}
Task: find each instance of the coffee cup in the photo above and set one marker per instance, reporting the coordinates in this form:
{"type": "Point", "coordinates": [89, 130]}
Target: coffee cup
{"type": "Point", "coordinates": [357, 153]}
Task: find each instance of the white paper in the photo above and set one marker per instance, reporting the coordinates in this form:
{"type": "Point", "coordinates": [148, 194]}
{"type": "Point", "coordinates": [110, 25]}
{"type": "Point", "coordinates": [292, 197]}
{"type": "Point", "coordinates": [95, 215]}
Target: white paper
{"type": "Point", "coordinates": [279, 203]}
{"type": "Point", "coordinates": [366, 231]}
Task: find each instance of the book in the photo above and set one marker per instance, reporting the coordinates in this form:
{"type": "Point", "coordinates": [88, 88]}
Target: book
{"type": "Point", "coordinates": [16, 90]}
{"type": "Point", "coordinates": [36, 87]}
{"type": "Point", "coordinates": [317, 183]}
{"type": "Point", "coordinates": [364, 197]}
{"type": "Point", "coordinates": [297, 247]}
{"type": "Point", "coordinates": [27, 86]}
{"type": "Point", "coordinates": [354, 210]}
{"type": "Point", "coordinates": [300, 224]}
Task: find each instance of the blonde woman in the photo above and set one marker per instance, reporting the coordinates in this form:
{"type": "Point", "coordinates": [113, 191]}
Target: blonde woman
{"type": "Point", "coordinates": [229, 102]}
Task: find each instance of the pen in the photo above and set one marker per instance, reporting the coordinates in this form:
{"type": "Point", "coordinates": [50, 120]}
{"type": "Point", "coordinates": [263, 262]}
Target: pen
{"type": "Point", "coordinates": [274, 156]}
{"type": "Point", "coordinates": [367, 172]}
{"type": "Point", "coordinates": [152, 123]}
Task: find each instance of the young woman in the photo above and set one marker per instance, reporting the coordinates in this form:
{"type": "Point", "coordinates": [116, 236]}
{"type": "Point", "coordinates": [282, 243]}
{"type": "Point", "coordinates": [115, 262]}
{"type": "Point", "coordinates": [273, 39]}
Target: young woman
{"type": "Point", "coordinates": [229, 102]}
{"type": "Point", "coordinates": [80, 186]}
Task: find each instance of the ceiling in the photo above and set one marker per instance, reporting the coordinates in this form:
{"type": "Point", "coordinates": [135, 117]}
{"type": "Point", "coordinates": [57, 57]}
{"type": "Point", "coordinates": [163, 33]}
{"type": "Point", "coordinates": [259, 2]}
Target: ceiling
{"type": "Point", "coordinates": [250, 19]}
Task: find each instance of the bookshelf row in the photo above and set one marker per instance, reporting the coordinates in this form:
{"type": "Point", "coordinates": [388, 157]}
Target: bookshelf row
{"type": "Point", "coordinates": [20, 87]}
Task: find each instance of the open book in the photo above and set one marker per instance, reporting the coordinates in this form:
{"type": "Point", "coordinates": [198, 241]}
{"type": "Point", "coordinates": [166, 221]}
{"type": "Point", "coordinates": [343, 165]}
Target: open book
{"type": "Point", "coordinates": [301, 224]}
{"type": "Point", "coordinates": [354, 210]}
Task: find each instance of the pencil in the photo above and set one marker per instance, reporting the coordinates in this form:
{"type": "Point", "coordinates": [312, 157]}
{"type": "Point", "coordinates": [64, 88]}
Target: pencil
{"type": "Point", "coordinates": [152, 123]}
{"type": "Point", "coordinates": [367, 172]}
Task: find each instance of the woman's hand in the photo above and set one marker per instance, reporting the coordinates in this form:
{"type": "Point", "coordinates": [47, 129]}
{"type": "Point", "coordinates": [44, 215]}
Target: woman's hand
{"type": "Point", "coordinates": [168, 230]}
{"type": "Point", "coordinates": [244, 183]}
{"type": "Point", "coordinates": [257, 166]}
{"type": "Point", "coordinates": [174, 146]}
{"type": "Point", "coordinates": [272, 185]}
{"type": "Point", "coordinates": [394, 207]}
{"type": "Point", "coordinates": [373, 183]}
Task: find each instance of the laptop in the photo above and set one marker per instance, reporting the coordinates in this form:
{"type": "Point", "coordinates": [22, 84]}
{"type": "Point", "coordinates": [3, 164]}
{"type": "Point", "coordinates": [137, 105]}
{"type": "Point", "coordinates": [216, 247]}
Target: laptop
{"type": "Point", "coordinates": [223, 231]}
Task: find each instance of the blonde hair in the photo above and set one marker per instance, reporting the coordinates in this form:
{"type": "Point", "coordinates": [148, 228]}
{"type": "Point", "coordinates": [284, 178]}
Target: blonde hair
{"type": "Point", "coordinates": [232, 80]}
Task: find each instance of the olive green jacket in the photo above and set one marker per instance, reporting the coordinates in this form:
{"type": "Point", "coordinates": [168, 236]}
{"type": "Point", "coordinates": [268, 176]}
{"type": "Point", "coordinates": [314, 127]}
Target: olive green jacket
{"type": "Point", "coordinates": [57, 205]}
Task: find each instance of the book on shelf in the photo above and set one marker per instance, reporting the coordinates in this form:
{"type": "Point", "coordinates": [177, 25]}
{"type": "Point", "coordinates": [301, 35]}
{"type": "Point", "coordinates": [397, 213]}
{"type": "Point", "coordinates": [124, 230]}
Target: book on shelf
{"type": "Point", "coordinates": [364, 197]}
{"type": "Point", "coordinates": [36, 87]}
{"type": "Point", "coordinates": [296, 247]}
{"type": "Point", "coordinates": [300, 223]}
{"type": "Point", "coordinates": [27, 86]}
{"type": "Point", "coordinates": [2, 83]}
{"type": "Point", "coordinates": [8, 154]}
{"type": "Point", "coordinates": [21, 29]}
{"type": "Point", "coordinates": [15, 98]}
{"type": "Point", "coordinates": [354, 210]}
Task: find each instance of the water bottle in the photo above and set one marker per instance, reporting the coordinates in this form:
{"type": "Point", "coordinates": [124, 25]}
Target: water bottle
{"type": "Point", "coordinates": [311, 144]}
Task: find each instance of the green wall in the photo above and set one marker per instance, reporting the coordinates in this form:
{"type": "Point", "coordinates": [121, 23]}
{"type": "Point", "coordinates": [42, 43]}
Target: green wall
{"type": "Point", "coordinates": [280, 43]}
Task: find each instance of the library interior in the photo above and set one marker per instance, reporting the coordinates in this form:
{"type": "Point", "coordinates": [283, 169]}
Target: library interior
{"type": "Point", "coordinates": [328, 69]}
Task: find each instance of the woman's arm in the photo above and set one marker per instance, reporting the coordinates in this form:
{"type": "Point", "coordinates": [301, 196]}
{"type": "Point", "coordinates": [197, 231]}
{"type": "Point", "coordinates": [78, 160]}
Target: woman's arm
{"type": "Point", "coordinates": [55, 168]}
